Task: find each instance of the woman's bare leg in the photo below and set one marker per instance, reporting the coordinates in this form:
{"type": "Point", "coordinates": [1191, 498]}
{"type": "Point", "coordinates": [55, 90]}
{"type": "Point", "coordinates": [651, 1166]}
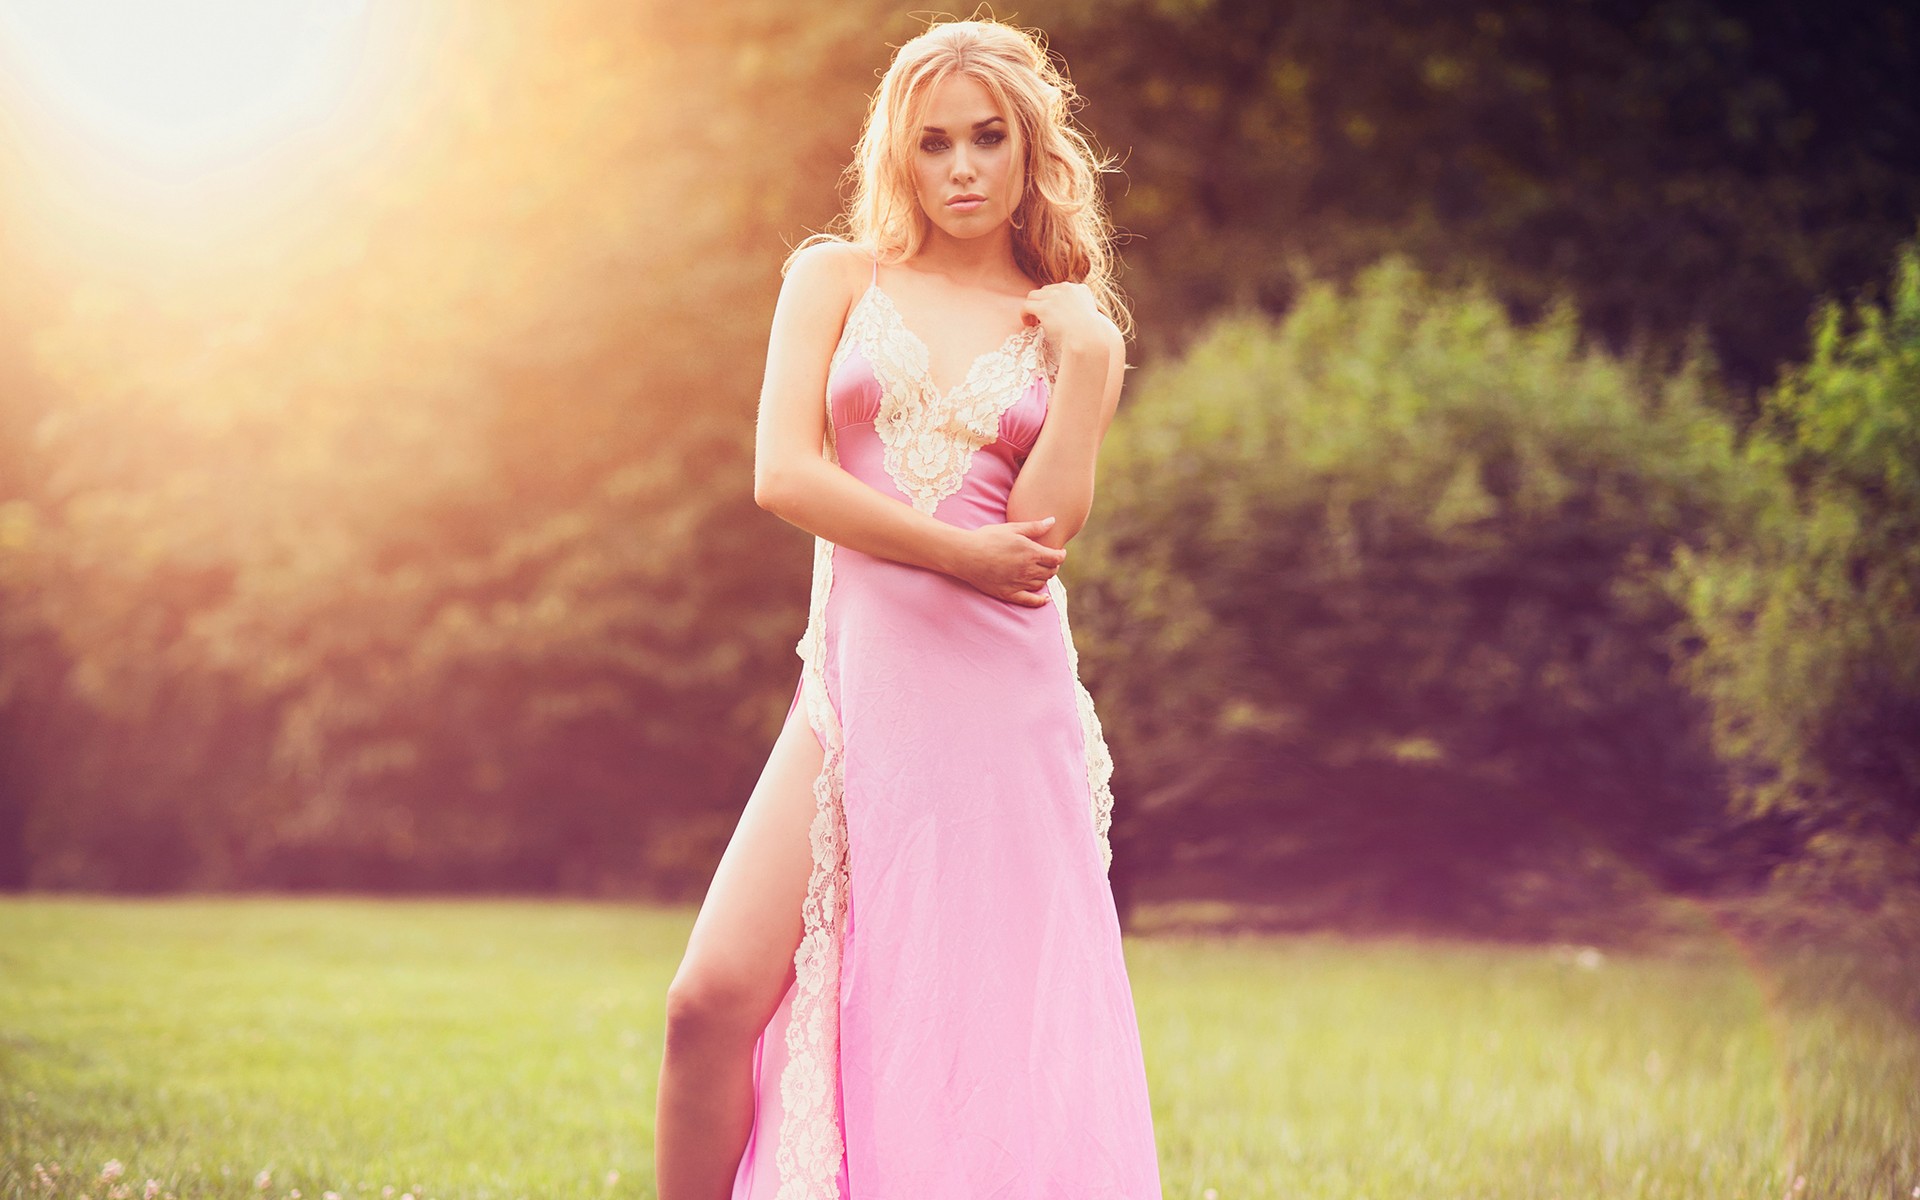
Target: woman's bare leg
{"type": "Point", "coordinates": [738, 965]}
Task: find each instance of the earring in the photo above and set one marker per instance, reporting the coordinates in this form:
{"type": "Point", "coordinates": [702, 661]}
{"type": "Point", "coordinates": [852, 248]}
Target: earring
{"type": "Point", "coordinates": [1015, 221]}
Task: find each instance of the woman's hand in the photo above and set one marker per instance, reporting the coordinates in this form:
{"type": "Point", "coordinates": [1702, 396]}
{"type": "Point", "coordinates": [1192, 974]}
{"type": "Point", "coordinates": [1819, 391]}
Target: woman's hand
{"type": "Point", "coordinates": [1006, 563]}
{"type": "Point", "coordinates": [1069, 315]}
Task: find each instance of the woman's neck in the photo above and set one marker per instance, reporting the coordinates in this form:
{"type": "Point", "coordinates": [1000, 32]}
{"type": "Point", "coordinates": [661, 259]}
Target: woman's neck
{"type": "Point", "coordinates": [982, 262]}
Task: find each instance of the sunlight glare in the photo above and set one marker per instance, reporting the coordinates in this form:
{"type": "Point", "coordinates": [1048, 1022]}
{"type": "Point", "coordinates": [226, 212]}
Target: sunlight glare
{"type": "Point", "coordinates": [181, 83]}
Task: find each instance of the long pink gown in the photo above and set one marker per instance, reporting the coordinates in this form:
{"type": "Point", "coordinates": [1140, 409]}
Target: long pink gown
{"type": "Point", "coordinates": [960, 1025]}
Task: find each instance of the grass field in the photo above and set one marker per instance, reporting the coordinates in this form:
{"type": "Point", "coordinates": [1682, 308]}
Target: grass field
{"type": "Point", "coordinates": [489, 1050]}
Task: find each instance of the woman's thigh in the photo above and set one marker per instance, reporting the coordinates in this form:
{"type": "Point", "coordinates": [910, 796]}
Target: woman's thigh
{"type": "Point", "coordinates": [742, 945]}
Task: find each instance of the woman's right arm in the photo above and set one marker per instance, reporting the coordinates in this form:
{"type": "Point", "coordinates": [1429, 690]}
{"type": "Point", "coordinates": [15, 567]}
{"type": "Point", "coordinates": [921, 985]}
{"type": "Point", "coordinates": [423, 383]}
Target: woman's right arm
{"type": "Point", "coordinates": [792, 479]}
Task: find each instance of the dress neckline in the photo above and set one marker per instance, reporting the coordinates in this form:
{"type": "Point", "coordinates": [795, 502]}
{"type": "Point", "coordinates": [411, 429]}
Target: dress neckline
{"type": "Point", "coordinates": [923, 357]}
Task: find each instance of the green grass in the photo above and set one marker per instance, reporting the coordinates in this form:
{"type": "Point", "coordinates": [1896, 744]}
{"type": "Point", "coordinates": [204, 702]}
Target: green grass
{"type": "Point", "coordinates": [488, 1050]}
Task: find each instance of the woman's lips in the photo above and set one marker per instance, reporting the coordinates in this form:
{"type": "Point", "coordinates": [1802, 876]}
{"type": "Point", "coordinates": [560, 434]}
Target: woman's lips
{"type": "Point", "coordinates": [965, 206]}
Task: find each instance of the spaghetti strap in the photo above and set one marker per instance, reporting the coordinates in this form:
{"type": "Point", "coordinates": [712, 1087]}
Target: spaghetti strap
{"type": "Point", "coordinates": [875, 281]}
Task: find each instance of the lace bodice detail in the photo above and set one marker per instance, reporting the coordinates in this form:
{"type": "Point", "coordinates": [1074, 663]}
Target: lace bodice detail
{"type": "Point", "coordinates": [930, 437]}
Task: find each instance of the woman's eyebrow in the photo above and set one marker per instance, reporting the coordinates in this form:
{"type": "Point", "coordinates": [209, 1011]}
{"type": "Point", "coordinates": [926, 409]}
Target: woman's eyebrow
{"type": "Point", "coordinates": [976, 125]}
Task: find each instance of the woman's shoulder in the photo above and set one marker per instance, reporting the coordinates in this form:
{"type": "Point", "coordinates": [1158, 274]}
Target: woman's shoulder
{"type": "Point", "coordinates": [827, 260]}
{"type": "Point", "coordinates": [827, 275]}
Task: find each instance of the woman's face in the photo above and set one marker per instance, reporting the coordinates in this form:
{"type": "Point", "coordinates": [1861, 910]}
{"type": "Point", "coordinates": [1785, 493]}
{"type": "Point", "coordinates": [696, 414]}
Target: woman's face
{"type": "Point", "coordinates": [965, 164]}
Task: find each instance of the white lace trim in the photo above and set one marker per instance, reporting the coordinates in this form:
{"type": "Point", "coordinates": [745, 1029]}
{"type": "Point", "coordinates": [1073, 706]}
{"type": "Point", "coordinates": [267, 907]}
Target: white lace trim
{"type": "Point", "coordinates": [1099, 758]}
{"type": "Point", "coordinates": [811, 1142]}
{"type": "Point", "coordinates": [930, 438]}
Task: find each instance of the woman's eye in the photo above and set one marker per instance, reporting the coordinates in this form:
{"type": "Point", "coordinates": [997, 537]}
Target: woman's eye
{"type": "Point", "coordinates": [992, 137]}
{"type": "Point", "coordinates": [933, 145]}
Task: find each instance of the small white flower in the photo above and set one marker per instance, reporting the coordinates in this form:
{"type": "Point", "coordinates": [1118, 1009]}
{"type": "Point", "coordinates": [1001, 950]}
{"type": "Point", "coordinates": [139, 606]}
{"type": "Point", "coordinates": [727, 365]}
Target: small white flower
{"type": "Point", "coordinates": [263, 1180]}
{"type": "Point", "coordinates": [613, 1177]}
{"type": "Point", "coordinates": [153, 1189]}
{"type": "Point", "coordinates": [1209, 1194]}
{"type": "Point", "coordinates": [112, 1171]}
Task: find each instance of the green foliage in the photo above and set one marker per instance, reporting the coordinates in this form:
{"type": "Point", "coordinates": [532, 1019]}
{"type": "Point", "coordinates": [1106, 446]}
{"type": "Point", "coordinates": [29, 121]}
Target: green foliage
{"type": "Point", "coordinates": [1805, 619]}
{"type": "Point", "coordinates": [381, 518]}
{"type": "Point", "coordinates": [1369, 604]}
{"type": "Point", "coordinates": [1672, 165]}
{"type": "Point", "coordinates": [440, 569]}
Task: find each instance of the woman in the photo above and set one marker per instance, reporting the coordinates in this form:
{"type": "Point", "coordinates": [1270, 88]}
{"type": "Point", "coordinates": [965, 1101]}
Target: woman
{"type": "Point", "coordinates": [906, 981]}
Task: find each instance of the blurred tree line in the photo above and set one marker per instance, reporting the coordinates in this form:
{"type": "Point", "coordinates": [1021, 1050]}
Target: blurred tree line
{"type": "Point", "coordinates": [1490, 537]}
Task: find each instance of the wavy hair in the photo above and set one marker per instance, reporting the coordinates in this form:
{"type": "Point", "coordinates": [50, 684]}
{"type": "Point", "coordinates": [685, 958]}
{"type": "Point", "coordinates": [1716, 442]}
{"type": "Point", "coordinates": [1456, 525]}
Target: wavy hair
{"type": "Point", "coordinates": [1061, 229]}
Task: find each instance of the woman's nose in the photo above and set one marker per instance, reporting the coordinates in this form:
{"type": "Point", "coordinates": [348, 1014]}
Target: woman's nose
{"type": "Point", "coordinates": [962, 169]}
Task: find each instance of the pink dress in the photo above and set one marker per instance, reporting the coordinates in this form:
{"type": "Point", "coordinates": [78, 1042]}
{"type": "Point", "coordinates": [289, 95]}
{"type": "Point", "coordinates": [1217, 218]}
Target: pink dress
{"type": "Point", "coordinates": [960, 1025]}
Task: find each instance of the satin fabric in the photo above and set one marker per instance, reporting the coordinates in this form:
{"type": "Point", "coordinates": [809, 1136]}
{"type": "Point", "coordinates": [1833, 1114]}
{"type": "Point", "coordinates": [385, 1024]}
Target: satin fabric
{"type": "Point", "coordinates": [988, 1046]}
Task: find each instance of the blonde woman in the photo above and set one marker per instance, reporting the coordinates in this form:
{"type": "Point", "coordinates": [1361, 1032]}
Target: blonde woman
{"type": "Point", "coordinates": [906, 981]}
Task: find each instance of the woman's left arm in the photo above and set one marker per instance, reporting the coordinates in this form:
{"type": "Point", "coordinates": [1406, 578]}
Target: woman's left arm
{"type": "Point", "coordinates": [1057, 478]}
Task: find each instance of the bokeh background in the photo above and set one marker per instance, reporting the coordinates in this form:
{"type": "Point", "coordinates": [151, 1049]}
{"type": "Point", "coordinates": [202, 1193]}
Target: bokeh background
{"type": "Point", "coordinates": [1512, 528]}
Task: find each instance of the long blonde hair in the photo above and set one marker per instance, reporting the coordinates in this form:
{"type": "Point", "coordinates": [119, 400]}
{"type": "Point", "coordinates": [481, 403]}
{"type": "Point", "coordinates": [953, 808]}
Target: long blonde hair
{"type": "Point", "coordinates": [1062, 232]}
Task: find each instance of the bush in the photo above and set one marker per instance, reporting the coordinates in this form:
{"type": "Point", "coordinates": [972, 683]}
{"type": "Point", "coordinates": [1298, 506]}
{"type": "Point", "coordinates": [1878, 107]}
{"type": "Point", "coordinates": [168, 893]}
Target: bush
{"type": "Point", "coordinates": [1371, 609]}
{"type": "Point", "coordinates": [1805, 631]}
